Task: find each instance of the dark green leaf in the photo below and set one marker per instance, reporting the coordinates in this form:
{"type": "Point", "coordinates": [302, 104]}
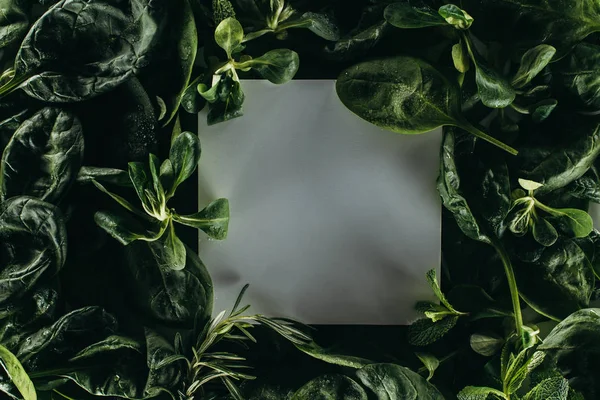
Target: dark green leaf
{"type": "Point", "coordinates": [479, 393]}
{"type": "Point", "coordinates": [111, 343]}
{"type": "Point", "coordinates": [573, 345]}
{"type": "Point", "coordinates": [424, 332]}
{"type": "Point", "coordinates": [404, 95]}
{"type": "Point", "coordinates": [124, 228]}
{"type": "Point", "coordinates": [14, 22]}
{"type": "Point", "coordinates": [331, 387]}
{"type": "Point", "coordinates": [359, 42]}
{"type": "Point", "coordinates": [494, 90]}
{"type": "Point", "coordinates": [430, 362]}
{"type": "Point", "coordinates": [393, 382]}
{"type": "Point", "coordinates": [162, 376]}
{"type": "Point", "coordinates": [184, 155]}
{"type": "Point", "coordinates": [532, 63]}
{"type": "Point", "coordinates": [277, 66]}
{"type": "Point", "coordinates": [43, 157]}
{"type": "Point", "coordinates": [486, 344]}
{"type": "Point", "coordinates": [330, 357]}
{"type": "Point", "coordinates": [171, 253]}
{"type": "Point", "coordinates": [225, 99]}
{"type": "Point", "coordinates": [17, 374]}
{"type": "Point", "coordinates": [579, 74]}
{"type": "Point", "coordinates": [319, 24]}
{"type": "Point", "coordinates": [542, 110]}
{"type": "Point", "coordinates": [543, 232]}
{"type": "Point", "coordinates": [33, 244]}
{"type": "Point", "coordinates": [549, 389]}
{"type": "Point", "coordinates": [456, 16]}
{"type": "Point", "coordinates": [229, 35]}
{"type": "Point", "coordinates": [191, 101]}
{"type": "Point", "coordinates": [403, 15]}
{"type": "Point", "coordinates": [109, 175]}
{"type": "Point", "coordinates": [212, 220]}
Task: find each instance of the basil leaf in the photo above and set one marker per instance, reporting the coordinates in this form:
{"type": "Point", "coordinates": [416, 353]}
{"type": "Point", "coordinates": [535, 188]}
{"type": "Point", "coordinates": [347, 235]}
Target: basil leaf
{"type": "Point", "coordinates": [532, 63]}
{"type": "Point", "coordinates": [229, 35]}
{"type": "Point", "coordinates": [573, 347]}
{"type": "Point", "coordinates": [405, 16]}
{"type": "Point", "coordinates": [184, 157]}
{"type": "Point", "coordinates": [43, 157]}
{"type": "Point", "coordinates": [391, 382]}
{"type": "Point", "coordinates": [17, 374]}
{"type": "Point", "coordinates": [319, 24]}
{"type": "Point", "coordinates": [338, 387]}
{"type": "Point", "coordinates": [33, 244]}
{"type": "Point", "coordinates": [277, 66]}
{"type": "Point", "coordinates": [96, 53]}
{"type": "Point", "coordinates": [456, 16]}
{"type": "Point", "coordinates": [212, 220]}
{"type": "Point", "coordinates": [404, 95]}
{"type": "Point", "coordinates": [14, 22]}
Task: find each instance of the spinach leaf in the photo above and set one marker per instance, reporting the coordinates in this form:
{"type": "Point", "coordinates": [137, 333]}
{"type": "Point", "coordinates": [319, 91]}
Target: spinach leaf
{"type": "Point", "coordinates": [331, 387]}
{"type": "Point", "coordinates": [578, 74]}
{"type": "Point", "coordinates": [43, 157]}
{"type": "Point", "coordinates": [176, 297]}
{"type": "Point", "coordinates": [33, 245]}
{"type": "Point", "coordinates": [14, 22]}
{"type": "Point", "coordinates": [108, 175]}
{"type": "Point", "coordinates": [405, 16]}
{"type": "Point", "coordinates": [390, 382]}
{"type": "Point", "coordinates": [573, 346]}
{"type": "Point", "coordinates": [225, 98]}
{"type": "Point", "coordinates": [405, 95]}
{"type": "Point", "coordinates": [166, 370]}
{"type": "Point", "coordinates": [17, 374]}
{"type": "Point", "coordinates": [359, 41]}
{"type": "Point", "coordinates": [99, 48]}
{"type": "Point", "coordinates": [560, 282]}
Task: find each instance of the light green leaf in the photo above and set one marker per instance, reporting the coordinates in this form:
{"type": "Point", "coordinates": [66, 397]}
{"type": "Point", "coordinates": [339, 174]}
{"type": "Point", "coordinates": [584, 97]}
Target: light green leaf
{"type": "Point", "coordinates": [213, 220]}
{"type": "Point", "coordinates": [278, 66]}
{"type": "Point", "coordinates": [330, 357]}
{"type": "Point", "coordinates": [229, 34]}
{"type": "Point", "coordinates": [479, 393]}
{"type": "Point", "coordinates": [460, 57]}
{"type": "Point", "coordinates": [430, 362]}
{"type": "Point", "coordinates": [405, 16]}
{"type": "Point", "coordinates": [456, 16]}
{"type": "Point", "coordinates": [577, 223]}
{"type": "Point", "coordinates": [532, 63]}
{"type": "Point", "coordinates": [437, 290]}
{"type": "Point", "coordinates": [17, 374]}
{"type": "Point", "coordinates": [529, 185]}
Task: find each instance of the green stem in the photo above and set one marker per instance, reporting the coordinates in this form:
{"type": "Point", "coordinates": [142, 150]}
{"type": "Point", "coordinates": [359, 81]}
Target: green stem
{"type": "Point", "coordinates": [512, 285]}
{"type": "Point", "coordinates": [482, 135]}
{"type": "Point", "coordinates": [11, 85]}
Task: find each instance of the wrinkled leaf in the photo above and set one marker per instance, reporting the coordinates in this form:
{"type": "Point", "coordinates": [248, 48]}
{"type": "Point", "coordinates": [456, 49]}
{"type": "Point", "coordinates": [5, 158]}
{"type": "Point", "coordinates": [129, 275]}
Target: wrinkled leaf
{"type": "Point", "coordinates": [331, 387]}
{"type": "Point", "coordinates": [424, 331]}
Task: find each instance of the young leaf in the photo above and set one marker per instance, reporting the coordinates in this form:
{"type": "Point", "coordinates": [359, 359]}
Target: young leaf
{"type": "Point", "coordinates": [405, 95]}
{"type": "Point", "coordinates": [480, 393]}
{"type": "Point", "coordinates": [17, 374]}
{"type": "Point", "coordinates": [213, 220]}
{"type": "Point", "coordinates": [529, 185]}
{"type": "Point", "coordinates": [532, 63]}
{"type": "Point", "coordinates": [184, 156]}
{"type": "Point", "coordinates": [405, 16]}
{"type": "Point", "coordinates": [460, 57]}
{"type": "Point", "coordinates": [543, 232]}
{"type": "Point", "coordinates": [424, 331]}
{"type": "Point", "coordinates": [486, 344]}
{"type": "Point", "coordinates": [229, 34]}
{"type": "Point", "coordinates": [456, 16]}
{"type": "Point", "coordinates": [430, 362]}
{"type": "Point", "coordinates": [277, 66]}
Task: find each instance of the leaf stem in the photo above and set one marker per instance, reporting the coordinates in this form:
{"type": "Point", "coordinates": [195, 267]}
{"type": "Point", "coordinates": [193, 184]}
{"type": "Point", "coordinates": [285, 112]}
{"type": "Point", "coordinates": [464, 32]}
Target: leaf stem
{"type": "Point", "coordinates": [512, 285]}
{"type": "Point", "coordinates": [11, 85]}
{"type": "Point", "coordinates": [482, 135]}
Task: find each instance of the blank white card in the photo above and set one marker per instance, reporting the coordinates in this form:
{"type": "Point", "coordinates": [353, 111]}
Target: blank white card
{"type": "Point", "coordinates": [333, 220]}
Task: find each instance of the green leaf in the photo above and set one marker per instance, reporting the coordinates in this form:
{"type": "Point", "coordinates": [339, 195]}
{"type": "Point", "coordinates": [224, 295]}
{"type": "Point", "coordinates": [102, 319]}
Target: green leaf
{"type": "Point", "coordinates": [17, 374]}
{"type": "Point", "coordinates": [393, 382]}
{"type": "Point", "coordinates": [404, 95]}
{"type": "Point", "coordinates": [277, 66]}
{"type": "Point", "coordinates": [225, 98]}
{"type": "Point", "coordinates": [359, 41]}
{"type": "Point", "coordinates": [574, 347]}
{"type": "Point", "coordinates": [14, 22]}
{"type": "Point", "coordinates": [430, 362]}
{"type": "Point", "coordinates": [550, 389]}
{"type": "Point", "coordinates": [578, 74]}
{"type": "Point", "coordinates": [139, 177]}
{"type": "Point", "coordinates": [331, 387]}
{"type": "Point", "coordinates": [229, 34]}
{"type": "Point", "coordinates": [124, 228]}
{"type": "Point", "coordinates": [184, 156]}
{"type": "Point", "coordinates": [437, 290]}
{"type": "Point", "coordinates": [123, 202]}
{"type": "Point", "coordinates": [494, 90]}
{"type": "Point", "coordinates": [532, 63]}
{"type": "Point", "coordinates": [109, 175]}
{"type": "Point", "coordinates": [486, 344]}
{"type": "Point", "coordinates": [330, 357]}
{"type": "Point", "coordinates": [542, 110]}
{"type": "Point", "coordinates": [543, 232]}
{"type": "Point", "coordinates": [577, 223]}
{"type": "Point", "coordinates": [479, 393]}
{"type": "Point", "coordinates": [405, 16]}
{"type": "Point", "coordinates": [172, 253]}
{"type": "Point", "coordinates": [460, 57]}
{"type": "Point", "coordinates": [191, 100]}
{"type": "Point", "coordinates": [159, 192]}
{"type": "Point", "coordinates": [519, 371]}
{"type": "Point", "coordinates": [319, 24]}
{"type": "Point", "coordinates": [212, 220]}
{"type": "Point", "coordinates": [43, 157]}
{"type": "Point", "coordinates": [456, 16]}
{"type": "Point", "coordinates": [530, 185]}
{"type": "Point", "coordinates": [424, 332]}
{"type": "Point", "coordinates": [111, 343]}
